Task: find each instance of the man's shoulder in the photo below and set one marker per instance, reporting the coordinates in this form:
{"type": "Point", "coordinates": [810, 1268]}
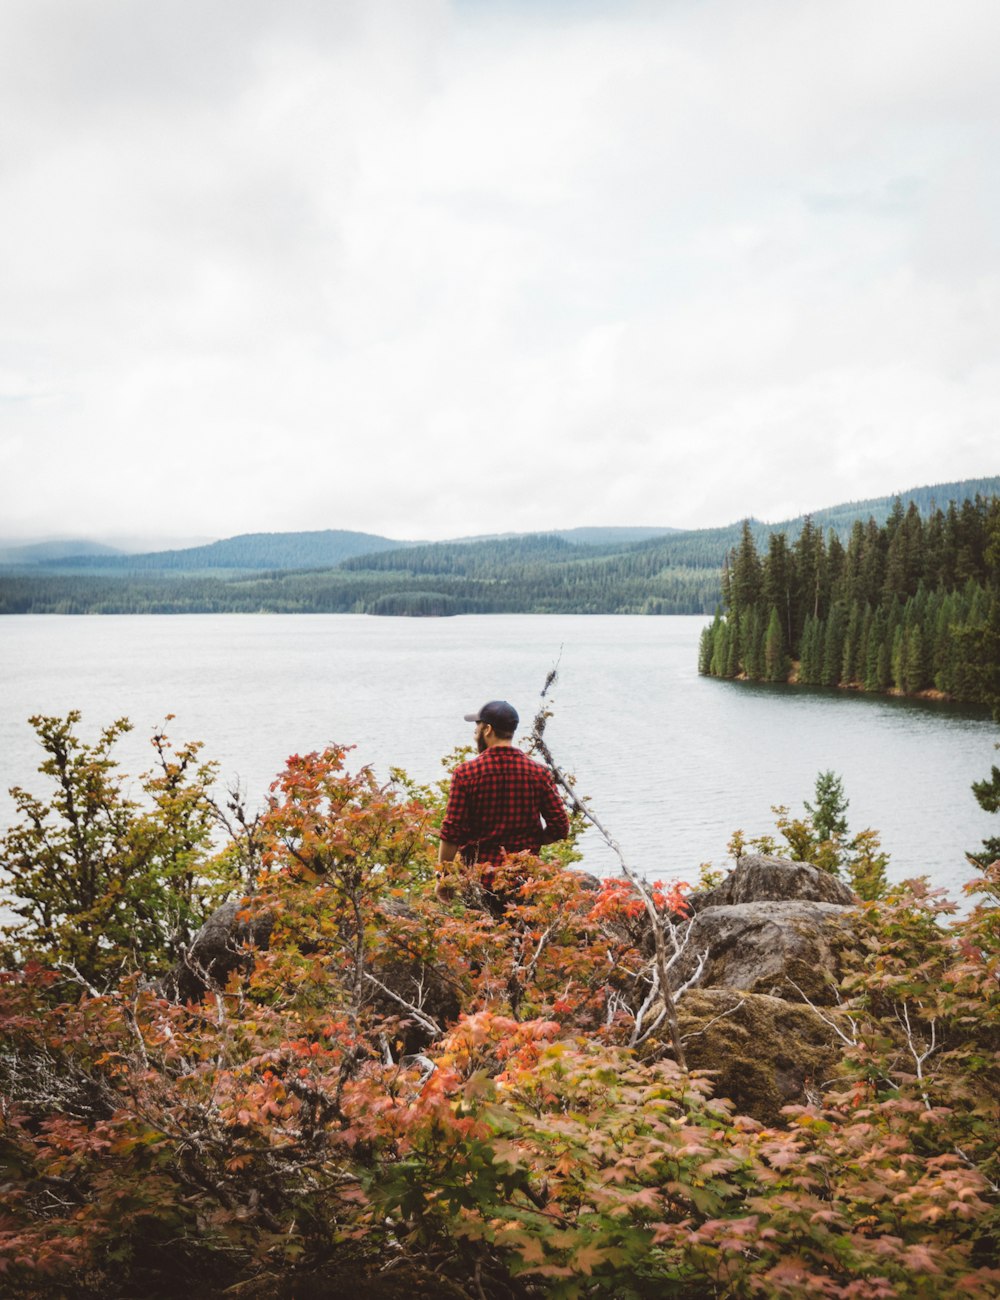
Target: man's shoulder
{"type": "Point", "coordinates": [469, 766]}
{"type": "Point", "coordinates": [525, 763]}
{"type": "Point", "coordinates": [495, 757]}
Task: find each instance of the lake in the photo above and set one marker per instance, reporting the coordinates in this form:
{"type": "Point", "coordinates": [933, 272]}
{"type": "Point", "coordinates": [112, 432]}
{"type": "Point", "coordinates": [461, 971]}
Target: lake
{"type": "Point", "coordinates": [672, 762]}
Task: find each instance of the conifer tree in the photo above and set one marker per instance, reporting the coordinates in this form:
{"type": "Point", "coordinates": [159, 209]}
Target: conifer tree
{"type": "Point", "coordinates": [987, 794]}
{"type": "Point", "coordinates": [775, 657]}
{"type": "Point", "coordinates": [833, 647]}
{"type": "Point", "coordinates": [829, 812]}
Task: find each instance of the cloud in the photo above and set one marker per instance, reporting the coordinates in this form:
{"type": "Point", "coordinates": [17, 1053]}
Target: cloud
{"type": "Point", "coordinates": [431, 269]}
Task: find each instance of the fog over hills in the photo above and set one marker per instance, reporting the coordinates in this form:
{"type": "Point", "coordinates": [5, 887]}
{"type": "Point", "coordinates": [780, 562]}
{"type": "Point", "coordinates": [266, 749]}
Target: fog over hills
{"type": "Point", "coordinates": [343, 551]}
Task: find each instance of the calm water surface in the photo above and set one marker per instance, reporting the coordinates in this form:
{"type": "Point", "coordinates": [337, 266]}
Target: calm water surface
{"type": "Point", "coordinates": [673, 763]}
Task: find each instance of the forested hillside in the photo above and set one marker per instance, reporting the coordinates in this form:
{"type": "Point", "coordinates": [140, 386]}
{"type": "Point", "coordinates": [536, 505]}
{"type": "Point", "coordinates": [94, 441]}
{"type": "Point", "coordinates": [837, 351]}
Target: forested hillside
{"type": "Point", "coordinates": [582, 571]}
{"type": "Point", "coordinates": [248, 552]}
{"type": "Point", "coordinates": [910, 606]}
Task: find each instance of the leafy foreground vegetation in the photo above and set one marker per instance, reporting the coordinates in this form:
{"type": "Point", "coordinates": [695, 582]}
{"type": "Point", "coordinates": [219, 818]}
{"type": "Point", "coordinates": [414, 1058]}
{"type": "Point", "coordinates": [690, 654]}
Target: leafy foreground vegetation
{"type": "Point", "coordinates": [912, 606]}
{"type": "Point", "coordinates": [402, 1098]}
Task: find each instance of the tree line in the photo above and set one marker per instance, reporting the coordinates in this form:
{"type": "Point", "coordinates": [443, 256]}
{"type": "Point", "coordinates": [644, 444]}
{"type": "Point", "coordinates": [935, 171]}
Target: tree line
{"type": "Point", "coordinates": [549, 577]}
{"type": "Point", "coordinates": [909, 606]}
{"type": "Point", "coordinates": [545, 573]}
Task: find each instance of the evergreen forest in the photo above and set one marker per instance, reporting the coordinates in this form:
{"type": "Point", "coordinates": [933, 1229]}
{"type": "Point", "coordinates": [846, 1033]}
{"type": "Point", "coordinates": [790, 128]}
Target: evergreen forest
{"type": "Point", "coordinates": [911, 606]}
{"type": "Point", "coordinates": [576, 571]}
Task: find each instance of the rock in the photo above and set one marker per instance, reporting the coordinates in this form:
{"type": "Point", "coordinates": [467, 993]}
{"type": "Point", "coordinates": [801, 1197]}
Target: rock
{"type": "Point", "coordinates": [227, 941]}
{"type": "Point", "coordinates": [757, 879]}
{"type": "Point", "coordinates": [764, 1052]}
{"type": "Point", "coordinates": [222, 945]}
{"type": "Point", "coordinates": [769, 947]}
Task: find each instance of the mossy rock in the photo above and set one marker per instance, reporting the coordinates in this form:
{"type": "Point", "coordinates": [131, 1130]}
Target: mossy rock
{"type": "Point", "coordinates": [764, 1052]}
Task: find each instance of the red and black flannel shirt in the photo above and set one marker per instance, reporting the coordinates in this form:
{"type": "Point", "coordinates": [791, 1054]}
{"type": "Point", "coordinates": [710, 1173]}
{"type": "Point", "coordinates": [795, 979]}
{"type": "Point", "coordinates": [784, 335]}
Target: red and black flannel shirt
{"type": "Point", "coordinates": [501, 802]}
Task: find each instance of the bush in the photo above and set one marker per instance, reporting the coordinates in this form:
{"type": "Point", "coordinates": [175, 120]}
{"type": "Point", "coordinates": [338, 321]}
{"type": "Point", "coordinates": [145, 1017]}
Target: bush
{"type": "Point", "coordinates": [400, 1098]}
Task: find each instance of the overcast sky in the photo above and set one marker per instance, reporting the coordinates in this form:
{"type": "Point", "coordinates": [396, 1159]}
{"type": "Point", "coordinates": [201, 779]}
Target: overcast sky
{"type": "Point", "coordinates": [429, 268]}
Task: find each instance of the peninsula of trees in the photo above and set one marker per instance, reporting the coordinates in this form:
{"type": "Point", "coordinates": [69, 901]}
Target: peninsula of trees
{"type": "Point", "coordinates": [911, 606]}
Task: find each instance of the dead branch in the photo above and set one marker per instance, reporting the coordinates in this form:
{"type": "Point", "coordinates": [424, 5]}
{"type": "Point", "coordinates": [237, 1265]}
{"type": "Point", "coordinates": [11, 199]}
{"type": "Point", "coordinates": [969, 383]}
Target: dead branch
{"type": "Point", "coordinates": [850, 1040]}
{"type": "Point", "coordinates": [723, 1015]}
{"type": "Point", "coordinates": [430, 1025]}
{"type": "Point", "coordinates": [919, 1057]}
{"type": "Point", "coordinates": [658, 922]}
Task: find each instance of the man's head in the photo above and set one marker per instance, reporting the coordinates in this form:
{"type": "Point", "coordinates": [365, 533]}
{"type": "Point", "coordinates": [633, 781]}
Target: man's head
{"type": "Point", "coordinates": [496, 721]}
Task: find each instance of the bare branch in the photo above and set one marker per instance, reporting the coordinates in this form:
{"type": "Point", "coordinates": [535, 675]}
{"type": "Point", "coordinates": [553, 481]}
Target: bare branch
{"type": "Point", "coordinates": [430, 1025]}
{"type": "Point", "coordinates": [657, 922]}
{"type": "Point", "coordinates": [919, 1057]}
{"type": "Point", "coordinates": [689, 983]}
{"type": "Point", "coordinates": [723, 1015]}
{"type": "Point", "coordinates": [637, 1035]}
{"type": "Point", "coordinates": [425, 1064]}
{"type": "Point", "coordinates": [850, 1041]}
{"type": "Point", "coordinates": [71, 970]}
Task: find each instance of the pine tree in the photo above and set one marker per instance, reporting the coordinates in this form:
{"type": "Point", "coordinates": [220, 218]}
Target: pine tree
{"type": "Point", "coordinates": [780, 584]}
{"type": "Point", "coordinates": [987, 794]}
{"type": "Point", "coordinates": [746, 579]}
{"type": "Point", "coordinates": [833, 647]}
{"type": "Point", "coordinates": [753, 659]}
{"type": "Point", "coordinates": [733, 647]}
{"type": "Point", "coordinates": [706, 645]}
{"type": "Point", "coordinates": [775, 658]}
{"type": "Point", "coordinates": [850, 671]}
{"type": "Point", "coordinates": [810, 663]}
{"type": "Point", "coordinates": [719, 665]}
{"type": "Point", "coordinates": [829, 812]}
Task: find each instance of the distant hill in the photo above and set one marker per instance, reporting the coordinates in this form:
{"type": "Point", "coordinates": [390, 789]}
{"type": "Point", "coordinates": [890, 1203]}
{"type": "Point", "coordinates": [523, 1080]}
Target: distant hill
{"type": "Point", "coordinates": [576, 571]}
{"type": "Point", "coordinates": [275, 552]}
{"type": "Point", "coordinates": [592, 536]}
{"type": "Point", "coordinates": [675, 569]}
{"type": "Point", "coordinates": [610, 536]}
{"type": "Point", "coordinates": [51, 552]}
{"type": "Point", "coordinates": [247, 553]}
{"type": "Point", "coordinates": [709, 546]}
{"type": "Point", "coordinates": [927, 499]}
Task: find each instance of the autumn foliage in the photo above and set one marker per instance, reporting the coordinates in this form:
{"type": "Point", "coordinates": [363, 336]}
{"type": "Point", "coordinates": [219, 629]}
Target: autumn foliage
{"type": "Point", "coordinates": [402, 1098]}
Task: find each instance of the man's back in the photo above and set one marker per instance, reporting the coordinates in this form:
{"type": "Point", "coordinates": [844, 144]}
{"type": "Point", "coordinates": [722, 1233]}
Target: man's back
{"type": "Point", "coordinates": [502, 802]}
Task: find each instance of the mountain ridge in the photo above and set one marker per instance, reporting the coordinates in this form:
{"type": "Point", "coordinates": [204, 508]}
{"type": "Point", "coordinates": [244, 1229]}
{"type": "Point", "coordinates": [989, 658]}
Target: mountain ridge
{"type": "Point", "coordinates": [674, 572]}
{"type": "Point", "coordinates": [272, 551]}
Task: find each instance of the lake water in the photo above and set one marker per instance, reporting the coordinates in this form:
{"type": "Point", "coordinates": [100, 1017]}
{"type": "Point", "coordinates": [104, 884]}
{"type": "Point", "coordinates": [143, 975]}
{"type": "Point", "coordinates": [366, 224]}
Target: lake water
{"type": "Point", "coordinates": [673, 763]}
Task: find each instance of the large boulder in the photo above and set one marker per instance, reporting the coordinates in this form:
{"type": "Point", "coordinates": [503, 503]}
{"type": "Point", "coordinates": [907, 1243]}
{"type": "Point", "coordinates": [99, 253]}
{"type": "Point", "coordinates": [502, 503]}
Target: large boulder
{"type": "Point", "coordinates": [787, 948]}
{"type": "Point", "coordinates": [232, 934]}
{"type": "Point", "coordinates": [763, 1052]}
{"type": "Point", "coordinates": [757, 878]}
{"type": "Point", "coordinates": [224, 944]}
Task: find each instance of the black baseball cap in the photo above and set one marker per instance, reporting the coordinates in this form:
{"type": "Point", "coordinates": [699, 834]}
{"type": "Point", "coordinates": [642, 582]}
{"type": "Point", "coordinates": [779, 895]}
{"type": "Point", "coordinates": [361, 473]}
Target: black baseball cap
{"type": "Point", "coordinates": [500, 715]}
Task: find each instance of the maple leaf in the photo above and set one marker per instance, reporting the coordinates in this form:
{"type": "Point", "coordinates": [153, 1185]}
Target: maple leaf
{"type": "Point", "coordinates": [588, 1257]}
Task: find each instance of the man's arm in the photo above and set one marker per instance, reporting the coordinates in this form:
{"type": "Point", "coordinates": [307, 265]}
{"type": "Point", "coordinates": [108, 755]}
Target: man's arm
{"type": "Point", "coordinates": [451, 829]}
{"type": "Point", "coordinates": [447, 852]}
{"type": "Point", "coordinates": [455, 829]}
{"type": "Point", "coordinates": [554, 813]}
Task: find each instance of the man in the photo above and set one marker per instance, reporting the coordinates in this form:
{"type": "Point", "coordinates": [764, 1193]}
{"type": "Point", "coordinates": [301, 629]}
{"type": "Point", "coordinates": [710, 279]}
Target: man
{"type": "Point", "coordinates": [501, 802]}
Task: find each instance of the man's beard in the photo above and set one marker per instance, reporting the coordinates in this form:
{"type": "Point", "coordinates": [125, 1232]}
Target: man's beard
{"type": "Point", "coordinates": [481, 743]}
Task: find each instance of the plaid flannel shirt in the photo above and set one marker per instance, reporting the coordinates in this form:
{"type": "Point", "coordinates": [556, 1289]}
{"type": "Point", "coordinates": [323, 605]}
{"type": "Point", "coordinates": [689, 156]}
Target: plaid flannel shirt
{"type": "Point", "coordinates": [501, 802]}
